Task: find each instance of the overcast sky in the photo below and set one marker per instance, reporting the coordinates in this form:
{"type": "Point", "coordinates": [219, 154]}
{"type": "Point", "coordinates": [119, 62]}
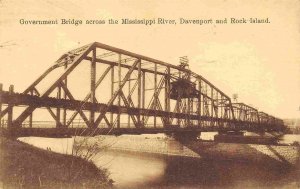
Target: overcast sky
{"type": "Point", "coordinates": [259, 62]}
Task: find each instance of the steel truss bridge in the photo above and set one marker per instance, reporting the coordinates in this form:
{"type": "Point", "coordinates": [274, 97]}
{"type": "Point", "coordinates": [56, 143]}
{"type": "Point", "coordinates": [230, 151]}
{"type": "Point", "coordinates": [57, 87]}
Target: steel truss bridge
{"type": "Point", "coordinates": [125, 93]}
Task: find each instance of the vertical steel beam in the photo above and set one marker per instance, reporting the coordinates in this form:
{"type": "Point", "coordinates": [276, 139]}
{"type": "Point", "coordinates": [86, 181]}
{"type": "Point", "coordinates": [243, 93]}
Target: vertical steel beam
{"type": "Point", "coordinates": [216, 105]}
{"type": "Point", "coordinates": [178, 106]}
{"type": "Point", "coordinates": [129, 88]}
{"type": "Point", "coordinates": [216, 108]}
{"type": "Point", "coordinates": [189, 105]}
{"type": "Point", "coordinates": [204, 101]}
{"type": "Point", "coordinates": [65, 97]}
{"type": "Point", "coordinates": [222, 108]}
{"type": "Point", "coordinates": [30, 117]}
{"type": "Point", "coordinates": [167, 95]}
{"type": "Point", "coordinates": [10, 110]}
{"type": "Point", "coordinates": [93, 87]}
{"type": "Point", "coordinates": [199, 102]}
{"type": "Point", "coordinates": [112, 76]}
{"type": "Point", "coordinates": [211, 105]}
{"type": "Point", "coordinates": [119, 87]}
{"type": "Point", "coordinates": [58, 109]}
{"type": "Point", "coordinates": [139, 92]}
{"type": "Point", "coordinates": [143, 95]}
{"type": "Point", "coordinates": [155, 96]}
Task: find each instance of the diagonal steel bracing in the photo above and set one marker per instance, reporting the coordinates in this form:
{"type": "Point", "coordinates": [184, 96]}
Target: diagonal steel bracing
{"type": "Point", "coordinates": [30, 109]}
{"type": "Point", "coordinates": [87, 97]}
{"type": "Point", "coordinates": [117, 93]}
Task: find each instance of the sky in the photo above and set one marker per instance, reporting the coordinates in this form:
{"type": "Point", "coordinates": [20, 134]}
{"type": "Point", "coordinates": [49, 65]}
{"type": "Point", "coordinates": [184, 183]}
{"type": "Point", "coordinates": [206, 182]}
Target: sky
{"type": "Point", "coordinates": [259, 62]}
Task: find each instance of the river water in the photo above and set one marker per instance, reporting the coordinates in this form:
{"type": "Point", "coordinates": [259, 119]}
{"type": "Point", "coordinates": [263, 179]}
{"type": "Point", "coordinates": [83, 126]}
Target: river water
{"type": "Point", "coordinates": [142, 170]}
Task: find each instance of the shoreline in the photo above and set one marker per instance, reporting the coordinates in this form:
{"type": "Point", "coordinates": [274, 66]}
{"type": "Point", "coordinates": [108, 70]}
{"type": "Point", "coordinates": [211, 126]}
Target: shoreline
{"type": "Point", "coordinates": [26, 166]}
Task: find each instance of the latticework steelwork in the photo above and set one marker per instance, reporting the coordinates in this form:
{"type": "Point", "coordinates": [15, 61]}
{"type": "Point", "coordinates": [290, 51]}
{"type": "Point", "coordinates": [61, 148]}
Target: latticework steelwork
{"type": "Point", "coordinates": [129, 93]}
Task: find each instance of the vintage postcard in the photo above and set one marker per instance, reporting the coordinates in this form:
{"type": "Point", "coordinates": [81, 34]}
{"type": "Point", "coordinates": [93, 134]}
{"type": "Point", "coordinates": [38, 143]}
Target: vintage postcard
{"type": "Point", "coordinates": [150, 94]}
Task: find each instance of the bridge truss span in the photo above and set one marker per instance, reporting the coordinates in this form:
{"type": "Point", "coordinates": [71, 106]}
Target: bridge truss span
{"type": "Point", "coordinates": [110, 88]}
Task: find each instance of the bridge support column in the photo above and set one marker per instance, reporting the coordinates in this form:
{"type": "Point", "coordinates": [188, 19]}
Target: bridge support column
{"type": "Point", "coordinates": [10, 109]}
{"type": "Point", "coordinates": [186, 136]}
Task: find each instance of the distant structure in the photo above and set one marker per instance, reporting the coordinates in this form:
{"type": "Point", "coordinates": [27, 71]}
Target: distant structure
{"type": "Point", "coordinates": [184, 62]}
{"type": "Point", "coordinates": [235, 97]}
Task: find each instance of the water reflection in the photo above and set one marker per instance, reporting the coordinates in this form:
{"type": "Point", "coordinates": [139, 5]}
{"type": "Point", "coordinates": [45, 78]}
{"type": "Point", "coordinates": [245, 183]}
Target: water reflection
{"type": "Point", "coordinates": [131, 170]}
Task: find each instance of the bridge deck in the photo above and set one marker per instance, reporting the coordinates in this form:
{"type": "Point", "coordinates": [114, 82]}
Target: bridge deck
{"type": "Point", "coordinates": [63, 132]}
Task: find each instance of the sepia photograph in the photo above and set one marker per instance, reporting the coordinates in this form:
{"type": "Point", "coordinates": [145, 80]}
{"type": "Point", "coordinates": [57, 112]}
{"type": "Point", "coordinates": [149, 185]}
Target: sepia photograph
{"type": "Point", "coordinates": [130, 94]}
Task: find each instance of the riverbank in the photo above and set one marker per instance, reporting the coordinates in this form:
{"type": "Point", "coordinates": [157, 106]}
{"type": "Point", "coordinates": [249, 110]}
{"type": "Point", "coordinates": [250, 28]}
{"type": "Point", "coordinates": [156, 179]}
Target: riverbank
{"type": "Point", "coordinates": [25, 166]}
{"type": "Point", "coordinates": [257, 153]}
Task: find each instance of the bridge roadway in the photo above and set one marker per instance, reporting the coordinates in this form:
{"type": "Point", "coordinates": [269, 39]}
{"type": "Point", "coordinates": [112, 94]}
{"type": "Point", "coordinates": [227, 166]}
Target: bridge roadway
{"type": "Point", "coordinates": [67, 132]}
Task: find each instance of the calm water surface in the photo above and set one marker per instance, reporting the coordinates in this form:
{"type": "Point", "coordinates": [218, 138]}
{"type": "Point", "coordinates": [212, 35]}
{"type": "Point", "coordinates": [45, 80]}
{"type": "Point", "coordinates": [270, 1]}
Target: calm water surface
{"type": "Point", "coordinates": [130, 170]}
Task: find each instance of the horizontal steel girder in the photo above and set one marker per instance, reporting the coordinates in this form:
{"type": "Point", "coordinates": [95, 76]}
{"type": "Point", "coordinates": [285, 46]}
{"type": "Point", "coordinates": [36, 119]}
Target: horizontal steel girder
{"type": "Point", "coordinates": [63, 132]}
{"type": "Point", "coordinates": [23, 99]}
